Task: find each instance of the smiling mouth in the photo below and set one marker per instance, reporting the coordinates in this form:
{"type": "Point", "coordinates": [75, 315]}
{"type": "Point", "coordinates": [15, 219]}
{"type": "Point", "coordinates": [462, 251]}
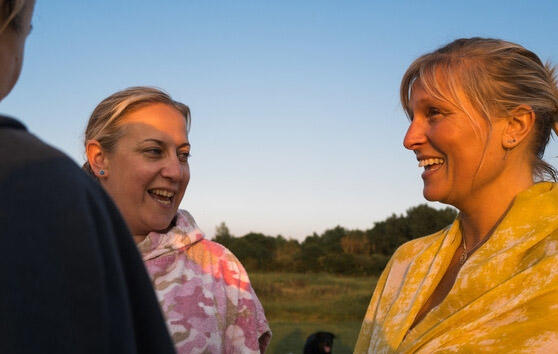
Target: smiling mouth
{"type": "Point", "coordinates": [430, 164]}
{"type": "Point", "coordinates": [163, 196]}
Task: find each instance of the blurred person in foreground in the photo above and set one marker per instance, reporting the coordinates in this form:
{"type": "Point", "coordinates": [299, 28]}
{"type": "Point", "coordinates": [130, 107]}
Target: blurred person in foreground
{"type": "Point", "coordinates": [137, 147]}
{"type": "Point", "coordinates": [72, 279]}
{"type": "Point", "coordinates": [481, 113]}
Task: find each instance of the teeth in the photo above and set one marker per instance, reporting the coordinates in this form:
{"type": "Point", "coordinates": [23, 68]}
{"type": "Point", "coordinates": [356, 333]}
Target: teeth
{"type": "Point", "coordinates": [162, 193]}
{"type": "Point", "coordinates": [428, 162]}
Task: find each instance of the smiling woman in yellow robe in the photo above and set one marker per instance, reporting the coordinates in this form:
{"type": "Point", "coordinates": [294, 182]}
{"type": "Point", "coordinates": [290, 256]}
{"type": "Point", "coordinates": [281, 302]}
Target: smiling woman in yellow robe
{"type": "Point", "coordinates": [481, 113]}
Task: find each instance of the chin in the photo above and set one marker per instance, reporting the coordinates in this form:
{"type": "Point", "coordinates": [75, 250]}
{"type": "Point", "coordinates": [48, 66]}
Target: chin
{"type": "Point", "coordinates": [161, 224]}
{"type": "Point", "coordinates": [433, 194]}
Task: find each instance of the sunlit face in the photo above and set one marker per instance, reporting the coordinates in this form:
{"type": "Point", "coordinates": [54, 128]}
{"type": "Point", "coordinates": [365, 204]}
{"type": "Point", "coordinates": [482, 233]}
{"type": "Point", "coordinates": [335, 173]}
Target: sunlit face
{"type": "Point", "coordinates": [147, 172]}
{"type": "Point", "coordinates": [458, 160]}
{"type": "Point", "coordinates": [12, 44]}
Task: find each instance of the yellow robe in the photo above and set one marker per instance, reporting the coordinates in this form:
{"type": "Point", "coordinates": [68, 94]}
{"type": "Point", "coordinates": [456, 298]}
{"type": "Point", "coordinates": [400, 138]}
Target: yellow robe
{"type": "Point", "coordinates": [505, 297]}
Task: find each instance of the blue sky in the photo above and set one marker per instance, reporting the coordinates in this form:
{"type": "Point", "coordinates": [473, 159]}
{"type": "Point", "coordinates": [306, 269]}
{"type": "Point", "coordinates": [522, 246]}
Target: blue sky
{"type": "Point", "coordinates": [296, 124]}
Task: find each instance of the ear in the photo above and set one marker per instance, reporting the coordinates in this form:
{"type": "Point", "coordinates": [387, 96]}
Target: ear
{"type": "Point", "coordinates": [97, 157]}
{"type": "Point", "coordinates": [519, 124]}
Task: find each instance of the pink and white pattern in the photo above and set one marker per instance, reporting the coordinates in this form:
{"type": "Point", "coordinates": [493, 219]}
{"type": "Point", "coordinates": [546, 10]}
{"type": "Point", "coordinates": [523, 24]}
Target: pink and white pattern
{"type": "Point", "coordinates": [204, 292]}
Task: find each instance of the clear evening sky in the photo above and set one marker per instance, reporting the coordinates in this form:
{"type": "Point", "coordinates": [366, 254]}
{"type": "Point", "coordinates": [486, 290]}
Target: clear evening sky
{"type": "Point", "coordinates": [296, 123]}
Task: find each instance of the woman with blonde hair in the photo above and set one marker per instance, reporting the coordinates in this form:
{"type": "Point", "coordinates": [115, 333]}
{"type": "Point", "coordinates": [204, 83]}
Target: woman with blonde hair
{"type": "Point", "coordinates": [481, 112]}
{"type": "Point", "coordinates": [137, 147]}
{"type": "Point", "coordinates": [72, 279]}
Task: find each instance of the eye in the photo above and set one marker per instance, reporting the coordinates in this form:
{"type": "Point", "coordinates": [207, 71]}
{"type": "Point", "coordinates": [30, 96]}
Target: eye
{"type": "Point", "coordinates": [153, 152]}
{"type": "Point", "coordinates": [433, 113]}
{"type": "Point", "coordinates": [183, 156]}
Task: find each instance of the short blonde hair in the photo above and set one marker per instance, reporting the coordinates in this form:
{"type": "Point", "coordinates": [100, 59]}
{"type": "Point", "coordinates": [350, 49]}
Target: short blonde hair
{"type": "Point", "coordinates": [496, 76]}
{"type": "Point", "coordinates": [10, 10]}
{"type": "Point", "coordinates": [103, 125]}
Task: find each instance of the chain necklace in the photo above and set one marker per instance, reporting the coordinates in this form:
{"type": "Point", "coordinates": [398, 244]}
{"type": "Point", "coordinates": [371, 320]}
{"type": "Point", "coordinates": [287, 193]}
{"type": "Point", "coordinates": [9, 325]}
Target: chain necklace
{"type": "Point", "coordinates": [465, 254]}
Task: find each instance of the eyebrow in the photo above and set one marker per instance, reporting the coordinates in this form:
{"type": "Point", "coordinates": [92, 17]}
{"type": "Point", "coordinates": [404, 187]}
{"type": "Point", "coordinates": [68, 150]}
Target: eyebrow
{"type": "Point", "coordinates": [433, 101]}
{"type": "Point", "coordinates": [426, 100]}
{"type": "Point", "coordinates": [160, 142]}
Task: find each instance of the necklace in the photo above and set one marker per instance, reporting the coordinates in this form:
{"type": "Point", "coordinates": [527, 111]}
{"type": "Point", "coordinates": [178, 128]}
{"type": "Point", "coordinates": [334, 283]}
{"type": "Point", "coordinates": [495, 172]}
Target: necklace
{"type": "Point", "coordinates": [465, 253]}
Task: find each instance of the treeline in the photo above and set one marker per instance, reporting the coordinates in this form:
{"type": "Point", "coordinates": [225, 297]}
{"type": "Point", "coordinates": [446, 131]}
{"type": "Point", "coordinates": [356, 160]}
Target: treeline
{"type": "Point", "coordinates": [337, 250]}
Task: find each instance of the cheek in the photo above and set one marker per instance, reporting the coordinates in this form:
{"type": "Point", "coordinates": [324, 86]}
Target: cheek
{"type": "Point", "coordinates": [133, 177]}
{"type": "Point", "coordinates": [143, 178]}
{"type": "Point", "coordinates": [469, 158]}
{"type": "Point", "coordinates": [11, 67]}
{"type": "Point", "coordinates": [456, 140]}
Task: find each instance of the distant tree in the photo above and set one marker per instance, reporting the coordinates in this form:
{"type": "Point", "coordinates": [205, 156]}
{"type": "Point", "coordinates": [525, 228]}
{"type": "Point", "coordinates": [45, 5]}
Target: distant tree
{"type": "Point", "coordinates": [313, 239]}
{"type": "Point", "coordinates": [340, 263]}
{"type": "Point", "coordinates": [328, 241]}
{"type": "Point", "coordinates": [224, 237]}
{"type": "Point", "coordinates": [286, 254]}
{"type": "Point", "coordinates": [222, 232]}
{"type": "Point", "coordinates": [425, 220]}
{"type": "Point", "coordinates": [331, 239]}
{"type": "Point", "coordinates": [258, 250]}
{"type": "Point", "coordinates": [336, 250]}
{"type": "Point", "coordinates": [308, 260]}
{"type": "Point", "coordinates": [370, 264]}
{"type": "Point", "coordinates": [385, 236]}
{"type": "Point", "coordinates": [246, 252]}
{"type": "Point", "coordinates": [355, 242]}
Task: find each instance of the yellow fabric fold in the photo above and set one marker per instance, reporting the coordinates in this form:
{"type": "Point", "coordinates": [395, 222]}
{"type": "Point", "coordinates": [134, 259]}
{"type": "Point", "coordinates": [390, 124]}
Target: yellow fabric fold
{"type": "Point", "coordinates": [505, 297]}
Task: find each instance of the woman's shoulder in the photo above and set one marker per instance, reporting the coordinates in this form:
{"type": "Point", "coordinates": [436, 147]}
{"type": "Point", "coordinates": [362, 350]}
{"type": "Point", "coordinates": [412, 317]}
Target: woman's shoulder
{"type": "Point", "coordinates": [217, 260]}
{"type": "Point", "coordinates": [412, 248]}
{"type": "Point", "coordinates": [207, 249]}
{"type": "Point", "coordinates": [218, 252]}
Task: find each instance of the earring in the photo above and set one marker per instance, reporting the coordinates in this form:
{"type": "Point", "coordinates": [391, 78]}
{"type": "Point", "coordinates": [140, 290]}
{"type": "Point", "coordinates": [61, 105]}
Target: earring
{"type": "Point", "coordinates": [102, 172]}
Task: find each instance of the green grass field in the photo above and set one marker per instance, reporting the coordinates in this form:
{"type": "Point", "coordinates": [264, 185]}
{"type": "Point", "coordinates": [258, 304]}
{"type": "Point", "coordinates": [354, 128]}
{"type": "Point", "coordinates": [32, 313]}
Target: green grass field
{"type": "Point", "coordinates": [297, 305]}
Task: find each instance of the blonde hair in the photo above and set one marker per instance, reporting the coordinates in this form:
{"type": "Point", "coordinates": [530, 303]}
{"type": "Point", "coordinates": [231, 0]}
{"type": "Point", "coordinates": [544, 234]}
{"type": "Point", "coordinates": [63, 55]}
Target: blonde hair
{"type": "Point", "coordinates": [103, 125]}
{"type": "Point", "coordinates": [496, 76]}
{"type": "Point", "coordinates": [10, 10]}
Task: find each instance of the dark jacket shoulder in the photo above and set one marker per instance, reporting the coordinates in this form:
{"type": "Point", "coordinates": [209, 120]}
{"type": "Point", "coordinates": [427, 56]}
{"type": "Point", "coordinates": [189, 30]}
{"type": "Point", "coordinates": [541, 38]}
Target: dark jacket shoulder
{"type": "Point", "coordinates": [73, 280]}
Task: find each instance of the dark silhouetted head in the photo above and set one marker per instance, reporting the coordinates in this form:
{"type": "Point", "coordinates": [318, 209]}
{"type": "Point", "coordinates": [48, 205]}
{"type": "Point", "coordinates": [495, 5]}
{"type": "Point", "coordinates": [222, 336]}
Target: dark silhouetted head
{"type": "Point", "coordinates": [319, 343]}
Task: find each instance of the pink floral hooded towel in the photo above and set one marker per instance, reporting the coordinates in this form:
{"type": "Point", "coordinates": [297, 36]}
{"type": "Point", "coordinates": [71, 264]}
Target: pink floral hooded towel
{"type": "Point", "coordinates": [204, 292]}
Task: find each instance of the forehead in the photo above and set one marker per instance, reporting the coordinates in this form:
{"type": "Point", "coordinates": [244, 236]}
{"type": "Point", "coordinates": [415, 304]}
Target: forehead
{"type": "Point", "coordinates": [417, 91]}
{"type": "Point", "coordinates": [420, 96]}
{"type": "Point", "coordinates": [439, 89]}
{"type": "Point", "coordinates": [158, 120]}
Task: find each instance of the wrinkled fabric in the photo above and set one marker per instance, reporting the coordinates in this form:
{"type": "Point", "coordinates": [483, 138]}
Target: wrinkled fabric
{"type": "Point", "coordinates": [204, 292]}
{"type": "Point", "coordinates": [505, 297]}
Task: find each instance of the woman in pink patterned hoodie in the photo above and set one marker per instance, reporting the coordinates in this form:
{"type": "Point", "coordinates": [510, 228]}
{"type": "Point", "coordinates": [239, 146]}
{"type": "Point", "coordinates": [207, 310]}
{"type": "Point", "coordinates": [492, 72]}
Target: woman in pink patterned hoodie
{"type": "Point", "coordinates": [137, 147]}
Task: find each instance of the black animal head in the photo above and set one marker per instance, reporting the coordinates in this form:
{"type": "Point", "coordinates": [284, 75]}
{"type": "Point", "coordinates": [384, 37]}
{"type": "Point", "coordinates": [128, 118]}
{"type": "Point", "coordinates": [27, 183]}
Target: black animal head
{"type": "Point", "coordinates": [319, 343]}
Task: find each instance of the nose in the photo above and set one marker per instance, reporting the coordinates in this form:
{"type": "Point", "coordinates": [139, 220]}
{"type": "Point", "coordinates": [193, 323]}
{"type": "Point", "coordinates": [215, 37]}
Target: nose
{"type": "Point", "coordinates": [173, 168]}
{"type": "Point", "coordinates": [415, 135]}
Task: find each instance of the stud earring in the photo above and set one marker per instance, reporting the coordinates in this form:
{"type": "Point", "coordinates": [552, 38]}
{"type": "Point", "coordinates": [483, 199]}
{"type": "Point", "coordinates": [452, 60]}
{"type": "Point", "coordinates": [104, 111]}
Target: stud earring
{"type": "Point", "coordinates": [102, 172]}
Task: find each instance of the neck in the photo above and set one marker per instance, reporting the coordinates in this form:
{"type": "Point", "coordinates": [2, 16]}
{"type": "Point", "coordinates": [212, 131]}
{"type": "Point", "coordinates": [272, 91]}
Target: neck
{"type": "Point", "coordinates": [139, 238]}
{"type": "Point", "coordinates": [483, 211]}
